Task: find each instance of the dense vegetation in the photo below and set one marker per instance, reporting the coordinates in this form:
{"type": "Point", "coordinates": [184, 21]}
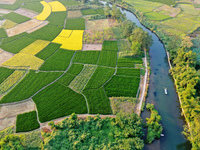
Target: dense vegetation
{"type": "Point", "coordinates": [75, 24]}
{"type": "Point", "coordinates": [57, 18]}
{"type": "Point", "coordinates": [107, 58]}
{"type": "Point", "coordinates": [4, 73]}
{"type": "Point", "coordinates": [110, 46]}
{"type": "Point", "coordinates": [16, 17]}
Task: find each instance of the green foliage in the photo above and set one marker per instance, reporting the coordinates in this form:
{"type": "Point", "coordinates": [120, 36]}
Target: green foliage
{"type": "Point", "coordinates": [3, 33]}
{"type": "Point", "coordinates": [12, 38]}
{"type": "Point", "coordinates": [57, 18]}
{"type": "Point", "coordinates": [69, 2]}
{"type": "Point", "coordinates": [98, 101]}
{"type": "Point", "coordinates": [58, 61]}
{"type": "Point", "coordinates": [48, 32]}
{"type": "Point", "coordinates": [156, 16]}
{"type": "Point", "coordinates": [4, 73]}
{"type": "Point", "coordinates": [128, 62]}
{"type": "Point", "coordinates": [75, 69]}
{"type": "Point", "coordinates": [107, 58]}
{"type": "Point", "coordinates": [100, 11]}
{"type": "Point", "coordinates": [100, 76]}
{"type": "Point", "coordinates": [127, 27]}
{"type": "Point", "coordinates": [48, 51]}
{"type": "Point", "coordinates": [168, 2]}
{"type": "Point", "coordinates": [110, 46]}
{"type": "Point", "coordinates": [27, 122]}
{"type": "Point", "coordinates": [88, 11]}
{"type": "Point", "coordinates": [33, 140]}
{"type": "Point", "coordinates": [17, 45]}
{"type": "Point", "coordinates": [75, 24]}
{"type": "Point", "coordinates": [128, 72]}
{"type": "Point", "coordinates": [17, 18]}
{"type": "Point", "coordinates": [122, 86]}
{"type": "Point", "coordinates": [29, 86]}
{"type": "Point", "coordinates": [5, 132]}
{"type": "Point", "coordinates": [57, 101]}
{"type": "Point", "coordinates": [86, 57]}
{"type": "Point", "coordinates": [35, 6]}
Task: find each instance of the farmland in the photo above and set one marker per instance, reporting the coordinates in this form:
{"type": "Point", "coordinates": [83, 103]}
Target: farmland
{"type": "Point", "coordinates": [107, 58]}
{"type": "Point", "coordinates": [17, 18]}
{"type": "Point", "coordinates": [3, 33]}
{"type": "Point", "coordinates": [75, 24]}
{"type": "Point", "coordinates": [57, 18]}
{"type": "Point", "coordinates": [4, 73]}
{"type": "Point", "coordinates": [86, 57]}
{"type": "Point", "coordinates": [110, 46]}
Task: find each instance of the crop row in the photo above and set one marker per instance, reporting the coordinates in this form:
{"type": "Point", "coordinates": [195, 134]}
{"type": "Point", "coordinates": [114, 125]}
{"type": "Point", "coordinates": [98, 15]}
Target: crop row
{"type": "Point", "coordinates": [107, 58]}
{"type": "Point", "coordinates": [4, 73]}
{"type": "Point", "coordinates": [128, 72]}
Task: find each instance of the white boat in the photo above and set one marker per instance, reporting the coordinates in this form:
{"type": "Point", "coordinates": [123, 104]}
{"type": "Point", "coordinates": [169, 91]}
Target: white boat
{"type": "Point", "coordinates": [165, 91]}
{"type": "Point", "coordinates": [162, 135]}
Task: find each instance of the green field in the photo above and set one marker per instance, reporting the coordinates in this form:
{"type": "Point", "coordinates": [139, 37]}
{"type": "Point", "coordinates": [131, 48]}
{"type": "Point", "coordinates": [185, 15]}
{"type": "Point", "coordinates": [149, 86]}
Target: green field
{"type": "Point", "coordinates": [86, 57]}
{"type": "Point", "coordinates": [75, 24]}
{"type": "Point", "coordinates": [128, 62]}
{"type": "Point", "coordinates": [57, 18]}
{"type": "Point", "coordinates": [17, 45]}
{"type": "Point", "coordinates": [156, 16]}
{"type": "Point", "coordinates": [100, 76]}
{"type": "Point", "coordinates": [128, 72]}
{"type": "Point", "coordinates": [168, 2]}
{"type": "Point", "coordinates": [98, 102]}
{"type": "Point", "coordinates": [30, 85]}
{"type": "Point", "coordinates": [122, 86]}
{"type": "Point", "coordinates": [58, 101]}
{"type": "Point", "coordinates": [35, 6]}
{"type": "Point", "coordinates": [88, 12]}
{"type": "Point", "coordinates": [17, 18]}
{"type": "Point", "coordinates": [4, 73]}
{"type": "Point", "coordinates": [12, 38]}
{"type": "Point", "coordinates": [27, 122]}
{"type": "Point", "coordinates": [59, 61]}
{"type": "Point", "coordinates": [69, 2]}
{"type": "Point", "coordinates": [3, 33]}
{"type": "Point", "coordinates": [75, 69]}
{"type": "Point", "coordinates": [110, 46]}
{"type": "Point", "coordinates": [100, 11]}
{"type": "Point", "coordinates": [48, 51]}
{"type": "Point", "coordinates": [107, 58]}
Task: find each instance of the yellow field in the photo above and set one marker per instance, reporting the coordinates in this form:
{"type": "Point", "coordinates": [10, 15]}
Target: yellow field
{"type": "Point", "coordinates": [23, 60]}
{"type": "Point", "coordinates": [11, 80]}
{"type": "Point", "coordinates": [8, 24]}
{"type": "Point", "coordinates": [65, 33]}
{"type": "Point", "coordinates": [46, 11]}
{"type": "Point", "coordinates": [35, 47]}
{"type": "Point", "coordinates": [73, 42]}
{"type": "Point", "coordinates": [57, 6]}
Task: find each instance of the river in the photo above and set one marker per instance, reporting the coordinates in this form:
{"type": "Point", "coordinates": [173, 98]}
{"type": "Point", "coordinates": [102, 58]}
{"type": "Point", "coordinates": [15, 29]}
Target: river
{"type": "Point", "coordinates": [168, 105]}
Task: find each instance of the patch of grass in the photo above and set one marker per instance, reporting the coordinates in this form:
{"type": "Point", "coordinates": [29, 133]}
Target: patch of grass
{"type": "Point", "coordinates": [48, 32]}
{"type": "Point", "coordinates": [86, 57]}
{"type": "Point", "coordinates": [100, 11]}
{"type": "Point", "coordinates": [12, 38]}
{"type": "Point", "coordinates": [156, 16]}
{"type": "Point", "coordinates": [107, 58]}
{"type": "Point", "coordinates": [17, 18]}
{"type": "Point", "coordinates": [74, 14]}
{"type": "Point", "coordinates": [98, 101]}
{"type": "Point", "coordinates": [58, 61]}
{"type": "Point", "coordinates": [17, 45]}
{"type": "Point", "coordinates": [69, 2]}
{"type": "Point", "coordinates": [3, 33]}
{"type": "Point", "coordinates": [35, 6]}
{"type": "Point", "coordinates": [48, 51]}
{"type": "Point", "coordinates": [128, 72]}
{"type": "Point", "coordinates": [100, 76]}
{"type": "Point", "coordinates": [88, 11]}
{"type": "Point", "coordinates": [5, 73]}
{"type": "Point", "coordinates": [30, 85]}
{"type": "Point", "coordinates": [128, 62]}
{"type": "Point", "coordinates": [75, 24]}
{"type": "Point", "coordinates": [27, 122]}
{"type": "Point", "coordinates": [110, 46]}
{"type": "Point", "coordinates": [57, 18]}
{"type": "Point", "coordinates": [75, 69]}
{"type": "Point", "coordinates": [168, 2]}
{"type": "Point", "coordinates": [58, 101]}
{"type": "Point", "coordinates": [122, 86]}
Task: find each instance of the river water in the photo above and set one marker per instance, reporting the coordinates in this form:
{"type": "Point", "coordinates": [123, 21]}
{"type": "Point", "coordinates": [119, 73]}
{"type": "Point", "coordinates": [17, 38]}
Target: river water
{"type": "Point", "coordinates": [167, 105]}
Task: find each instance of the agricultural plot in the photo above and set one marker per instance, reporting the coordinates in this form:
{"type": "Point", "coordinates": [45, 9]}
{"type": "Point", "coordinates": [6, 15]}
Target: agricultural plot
{"type": "Point", "coordinates": [168, 10]}
{"type": "Point", "coordinates": [2, 33]}
{"type": "Point", "coordinates": [57, 18]}
{"type": "Point", "coordinates": [110, 46]}
{"type": "Point", "coordinates": [92, 47]}
{"type": "Point", "coordinates": [4, 56]}
{"type": "Point", "coordinates": [11, 80]}
{"type": "Point", "coordinates": [17, 18]}
{"type": "Point", "coordinates": [23, 61]}
{"type": "Point", "coordinates": [99, 24]}
{"type": "Point", "coordinates": [156, 16]}
{"type": "Point", "coordinates": [75, 24]}
{"type": "Point", "coordinates": [12, 38]}
{"type": "Point", "coordinates": [48, 32]}
{"type": "Point", "coordinates": [74, 14]}
{"type": "Point", "coordinates": [88, 12]}
{"type": "Point", "coordinates": [122, 86]}
{"type": "Point", "coordinates": [188, 9]}
{"type": "Point", "coordinates": [27, 122]}
{"type": "Point", "coordinates": [59, 61]}
{"type": "Point", "coordinates": [98, 101]}
{"type": "Point", "coordinates": [58, 101]}
{"type": "Point", "coordinates": [128, 62]}
{"type": "Point", "coordinates": [168, 2]}
{"type": "Point", "coordinates": [57, 6]}
{"type": "Point", "coordinates": [128, 72]}
{"type": "Point", "coordinates": [30, 85]}
{"type": "Point", "coordinates": [48, 51]}
{"type": "Point", "coordinates": [69, 2]}
{"type": "Point", "coordinates": [100, 11]}
{"type": "Point", "coordinates": [81, 80]}
{"type": "Point", "coordinates": [25, 13]}
{"type": "Point", "coordinates": [4, 73]}
{"type": "Point", "coordinates": [8, 24]}
{"type": "Point", "coordinates": [75, 69]}
{"type": "Point", "coordinates": [45, 12]}
{"type": "Point", "coordinates": [100, 76]}
{"type": "Point", "coordinates": [107, 58]}
{"type": "Point", "coordinates": [86, 57]}
{"type": "Point", "coordinates": [34, 6]}
{"type": "Point", "coordinates": [35, 47]}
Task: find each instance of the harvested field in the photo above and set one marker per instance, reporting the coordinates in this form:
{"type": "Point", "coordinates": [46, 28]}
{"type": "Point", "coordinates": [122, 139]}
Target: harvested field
{"type": "Point", "coordinates": [26, 13]}
{"type": "Point", "coordinates": [5, 11]}
{"type": "Point", "coordinates": [24, 27]}
{"type": "Point", "coordinates": [92, 47]}
{"type": "Point", "coordinates": [7, 1]}
{"type": "Point", "coordinates": [8, 24]}
{"type": "Point", "coordinates": [97, 24]}
{"type": "Point", "coordinates": [4, 56]}
{"type": "Point", "coordinates": [38, 27]}
{"type": "Point", "coordinates": [7, 122]}
{"type": "Point", "coordinates": [74, 14]}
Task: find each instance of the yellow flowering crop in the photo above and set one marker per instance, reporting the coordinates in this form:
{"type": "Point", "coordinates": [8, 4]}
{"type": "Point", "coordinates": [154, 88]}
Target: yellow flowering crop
{"type": "Point", "coordinates": [35, 47]}
{"type": "Point", "coordinates": [65, 33]}
{"type": "Point", "coordinates": [8, 24]}
{"type": "Point", "coordinates": [11, 80]}
{"type": "Point", "coordinates": [46, 11]}
{"type": "Point", "coordinates": [22, 60]}
{"type": "Point", "coordinates": [57, 6]}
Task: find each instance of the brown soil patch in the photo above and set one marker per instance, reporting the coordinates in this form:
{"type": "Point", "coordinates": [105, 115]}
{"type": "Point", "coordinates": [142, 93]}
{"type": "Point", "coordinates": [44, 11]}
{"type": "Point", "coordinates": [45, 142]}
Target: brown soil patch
{"type": "Point", "coordinates": [113, 22]}
{"type": "Point", "coordinates": [5, 11]}
{"type": "Point", "coordinates": [196, 1]}
{"type": "Point", "coordinates": [87, 47]}
{"type": "Point", "coordinates": [38, 27]}
{"type": "Point", "coordinates": [4, 56]}
{"type": "Point", "coordinates": [74, 14]}
{"type": "Point", "coordinates": [7, 122]}
{"type": "Point", "coordinates": [97, 24]}
{"type": "Point", "coordinates": [25, 13]}
{"type": "Point", "coordinates": [7, 1]}
{"type": "Point", "coordinates": [23, 27]}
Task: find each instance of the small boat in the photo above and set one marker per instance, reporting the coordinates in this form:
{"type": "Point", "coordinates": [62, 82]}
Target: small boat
{"type": "Point", "coordinates": [162, 135]}
{"type": "Point", "coordinates": [165, 91]}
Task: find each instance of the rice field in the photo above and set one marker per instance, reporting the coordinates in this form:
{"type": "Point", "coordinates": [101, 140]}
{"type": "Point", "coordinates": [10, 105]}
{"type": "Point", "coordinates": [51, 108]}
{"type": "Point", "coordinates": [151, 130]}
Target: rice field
{"type": "Point", "coordinates": [86, 57]}
{"type": "Point", "coordinates": [107, 58]}
{"type": "Point", "coordinates": [4, 73]}
{"type": "Point", "coordinates": [17, 18]}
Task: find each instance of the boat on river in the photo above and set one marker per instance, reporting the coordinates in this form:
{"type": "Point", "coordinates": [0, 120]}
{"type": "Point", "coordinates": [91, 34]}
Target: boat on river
{"type": "Point", "coordinates": [165, 91]}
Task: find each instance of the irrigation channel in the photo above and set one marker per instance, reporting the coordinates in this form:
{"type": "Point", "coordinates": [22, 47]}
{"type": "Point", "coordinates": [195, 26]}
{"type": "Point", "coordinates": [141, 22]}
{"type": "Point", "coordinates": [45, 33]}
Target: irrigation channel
{"type": "Point", "coordinates": [168, 105]}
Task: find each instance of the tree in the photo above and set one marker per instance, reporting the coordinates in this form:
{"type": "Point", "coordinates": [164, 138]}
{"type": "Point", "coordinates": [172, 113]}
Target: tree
{"type": "Point", "coordinates": [107, 11]}
{"type": "Point", "coordinates": [127, 27]}
{"type": "Point", "coordinates": [186, 42]}
{"type": "Point", "coordinates": [136, 48]}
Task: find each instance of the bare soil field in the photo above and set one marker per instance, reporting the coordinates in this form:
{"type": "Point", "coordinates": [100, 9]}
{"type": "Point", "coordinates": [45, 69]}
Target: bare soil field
{"type": "Point", "coordinates": [88, 47]}
{"type": "Point", "coordinates": [74, 14]}
{"type": "Point", "coordinates": [4, 11]}
{"type": "Point", "coordinates": [97, 24]}
{"type": "Point", "coordinates": [7, 1]}
{"type": "Point", "coordinates": [38, 27]}
{"type": "Point", "coordinates": [23, 27]}
{"type": "Point", "coordinates": [4, 56]}
{"type": "Point", "coordinates": [26, 13]}
{"type": "Point", "coordinates": [7, 122]}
